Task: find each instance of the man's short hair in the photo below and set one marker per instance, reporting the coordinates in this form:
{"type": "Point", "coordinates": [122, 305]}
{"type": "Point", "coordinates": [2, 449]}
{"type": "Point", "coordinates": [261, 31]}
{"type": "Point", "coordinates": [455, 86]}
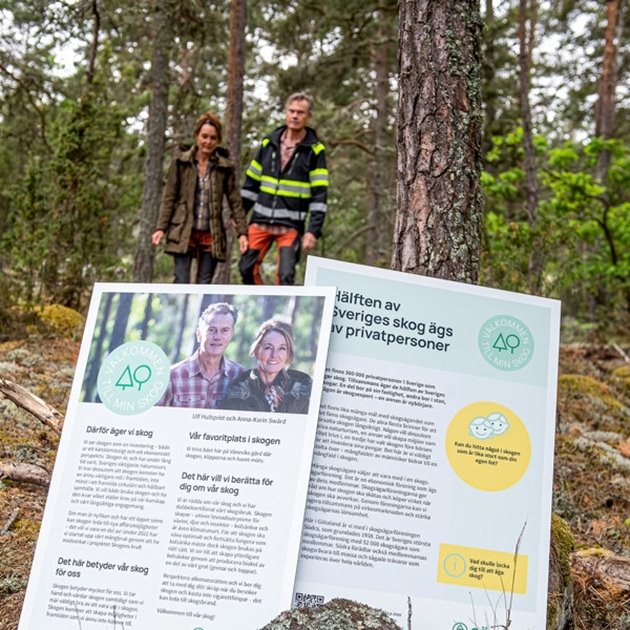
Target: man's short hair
{"type": "Point", "coordinates": [300, 96]}
{"type": "Point", "coordinates": [218, 308]}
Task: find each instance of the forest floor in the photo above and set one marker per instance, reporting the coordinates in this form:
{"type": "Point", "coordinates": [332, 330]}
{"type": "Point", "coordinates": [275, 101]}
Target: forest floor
{"type": "Point", "coordinates": [591, 480]}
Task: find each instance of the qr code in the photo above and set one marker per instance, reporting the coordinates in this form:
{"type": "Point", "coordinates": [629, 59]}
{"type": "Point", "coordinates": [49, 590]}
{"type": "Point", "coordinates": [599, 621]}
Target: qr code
{"type": "Point", "coordinates": [307, 599]}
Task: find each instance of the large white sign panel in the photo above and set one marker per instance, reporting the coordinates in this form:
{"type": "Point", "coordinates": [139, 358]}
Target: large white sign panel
{"type": "Point", "coordinates": [175, 504]}
{"type": "Point", "coordinates": [434, 451]}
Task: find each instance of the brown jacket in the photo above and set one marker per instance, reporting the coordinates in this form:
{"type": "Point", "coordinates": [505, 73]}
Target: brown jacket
{"type": "Point", "coordinates": [178, 201]}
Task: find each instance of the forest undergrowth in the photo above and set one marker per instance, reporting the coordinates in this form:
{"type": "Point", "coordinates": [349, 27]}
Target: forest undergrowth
{"type": "Point", "coordinates": [591, 478]}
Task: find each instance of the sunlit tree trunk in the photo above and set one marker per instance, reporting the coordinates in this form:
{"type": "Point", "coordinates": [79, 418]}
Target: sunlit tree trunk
{"type": "Point", "coordinates": [440, 119]}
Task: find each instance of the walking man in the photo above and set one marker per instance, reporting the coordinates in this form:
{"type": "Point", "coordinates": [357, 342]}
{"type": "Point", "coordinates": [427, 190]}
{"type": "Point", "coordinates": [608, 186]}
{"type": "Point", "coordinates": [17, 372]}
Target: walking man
{"type": "Point", "coordinates": [286, 182]}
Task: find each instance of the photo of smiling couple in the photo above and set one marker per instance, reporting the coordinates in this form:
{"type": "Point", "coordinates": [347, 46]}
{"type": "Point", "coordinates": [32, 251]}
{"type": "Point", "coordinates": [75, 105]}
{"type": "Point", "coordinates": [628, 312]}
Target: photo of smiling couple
{"type": "Point", "coordinates": [208, 379]}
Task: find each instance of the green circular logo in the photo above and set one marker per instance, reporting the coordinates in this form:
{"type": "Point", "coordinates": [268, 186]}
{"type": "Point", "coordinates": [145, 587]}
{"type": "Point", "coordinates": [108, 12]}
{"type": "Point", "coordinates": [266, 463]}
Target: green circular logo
{"type": "Point", "coordinates": [506, 343]}
{"type": "Point", "coordinates": [133, 377]}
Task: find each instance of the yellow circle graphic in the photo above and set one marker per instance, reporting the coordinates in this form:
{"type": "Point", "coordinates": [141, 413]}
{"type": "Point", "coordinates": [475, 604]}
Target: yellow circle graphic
{"type": "Point", "coordinates": [488, 446]}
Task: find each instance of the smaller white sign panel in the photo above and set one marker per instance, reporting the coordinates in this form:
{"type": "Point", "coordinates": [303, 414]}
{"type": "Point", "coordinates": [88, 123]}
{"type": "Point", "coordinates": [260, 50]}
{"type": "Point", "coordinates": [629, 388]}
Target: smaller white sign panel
{"type": "Point", "coordinates": [432, 473]}
{"type": "Point", "coordinates": [179, 489]}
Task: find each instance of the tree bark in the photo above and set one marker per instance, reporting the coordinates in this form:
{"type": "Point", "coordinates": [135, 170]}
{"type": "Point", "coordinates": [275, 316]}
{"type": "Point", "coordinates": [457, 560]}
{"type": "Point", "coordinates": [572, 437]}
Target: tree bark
{"type": "Point", "coordinates": [488, 70]}
{"type": "Point", "coordinates": [93, 49]}
{"type": "Point", "coordinates": [526, 29]}
{"type": "Point", "coordinates": [377, 224]}
{"type": "Point", "coordinates": [605, 106]}
{"type": "Point", "coordinates": [119, 329]}
{"type": "Point", "coordinates": [158, 117]}
{"type": "Point", "coordinates": [234, 118]}
{"type": "Point", "coordinates": [440, 119]}
{"type": "Point", "coordinates": [526, 11]}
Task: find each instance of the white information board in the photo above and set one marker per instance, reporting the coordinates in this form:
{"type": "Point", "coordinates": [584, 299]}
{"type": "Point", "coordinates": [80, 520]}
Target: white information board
{"type": "Point", "coordinates": [434, 451]}
{"type": "Point", "coordinates": [172, 505]}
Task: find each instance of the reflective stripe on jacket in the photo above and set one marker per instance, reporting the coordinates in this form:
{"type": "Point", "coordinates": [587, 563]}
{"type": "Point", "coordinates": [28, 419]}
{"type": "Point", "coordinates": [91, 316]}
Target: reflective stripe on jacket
{"type": "Point", "coordinates": [286, 197]}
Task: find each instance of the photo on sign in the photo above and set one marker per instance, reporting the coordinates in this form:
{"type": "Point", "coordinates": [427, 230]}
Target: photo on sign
{"type": "Point", "coordinates": [256, 351]}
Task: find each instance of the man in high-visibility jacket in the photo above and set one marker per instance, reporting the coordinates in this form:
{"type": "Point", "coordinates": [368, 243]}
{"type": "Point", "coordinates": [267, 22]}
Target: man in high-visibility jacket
{"type": "Point", "coordinates": [285, 182]}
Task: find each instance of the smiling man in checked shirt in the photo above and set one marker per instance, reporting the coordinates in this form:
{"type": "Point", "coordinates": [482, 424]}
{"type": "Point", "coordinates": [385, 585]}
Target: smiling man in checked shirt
{"type": "Point", "coordinates": [202, 379]}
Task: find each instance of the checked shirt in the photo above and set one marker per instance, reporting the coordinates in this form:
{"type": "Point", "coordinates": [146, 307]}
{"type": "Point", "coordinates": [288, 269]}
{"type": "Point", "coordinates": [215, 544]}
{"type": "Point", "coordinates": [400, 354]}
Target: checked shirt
{"type": "Point", "coordinates": [188, 385]}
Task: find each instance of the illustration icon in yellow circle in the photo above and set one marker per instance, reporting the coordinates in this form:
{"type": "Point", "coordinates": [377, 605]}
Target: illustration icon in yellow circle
{"type": "Point", "coordinates": [488, 446]}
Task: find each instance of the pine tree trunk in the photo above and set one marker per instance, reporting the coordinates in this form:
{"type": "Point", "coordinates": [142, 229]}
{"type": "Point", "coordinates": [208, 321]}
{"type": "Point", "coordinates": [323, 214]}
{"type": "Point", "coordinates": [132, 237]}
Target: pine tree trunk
{"type": "Point", "coordinates": [526, 29]}
{"type": "Point", "coordinates": [236, 72]}
{"type": "Point", "coordinates": [158, 117]}
{"type": "Point", "coordinates": [605, 108]}
{"type": "Point", "coordinates": [377, 223]}
{"type": "Point", "coordinates": [438, 225]}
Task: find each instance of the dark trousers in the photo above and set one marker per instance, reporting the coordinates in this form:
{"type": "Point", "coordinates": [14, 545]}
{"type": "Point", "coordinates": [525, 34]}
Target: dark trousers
{"type": "Point", "coordinates": [199, 249]}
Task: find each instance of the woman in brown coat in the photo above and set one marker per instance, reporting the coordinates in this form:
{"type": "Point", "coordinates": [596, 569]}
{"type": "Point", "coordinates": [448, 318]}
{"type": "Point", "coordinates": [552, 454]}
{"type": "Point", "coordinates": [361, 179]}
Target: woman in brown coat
{"type": "Point", "coordinates": [191, 211]}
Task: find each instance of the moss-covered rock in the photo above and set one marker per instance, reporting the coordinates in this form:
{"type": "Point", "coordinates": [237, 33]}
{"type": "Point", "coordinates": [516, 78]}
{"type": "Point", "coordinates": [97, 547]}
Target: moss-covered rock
{"type": "Point", "coordinates": [559, 590]}
{"type": "Point", "coordinates": [63, 321]}
{"type": "Point", "coordinates": [337, 614]}
{"type": "Point", "coordinates": [621, 379]}
{"type": "Point", "coordinates": [588, 401]}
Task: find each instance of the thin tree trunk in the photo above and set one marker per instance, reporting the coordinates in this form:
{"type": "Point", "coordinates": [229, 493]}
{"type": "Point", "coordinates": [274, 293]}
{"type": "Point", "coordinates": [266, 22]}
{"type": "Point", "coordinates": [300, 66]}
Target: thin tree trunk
{"type": "Point", "coordinates": [526, 27]}
{"type": "Point", "coordinates": [93, 49]}
{"type": "Point", "coordinates": [488, 69]}
{"type": "Point", "coordinates": [234, 117]}
{"type": "Point", "coordinates": [119, 329]}
{"type": "Point", "coordinates": [605, 107]}
{"type": "Point", "coordinates": [158, 117]}
{"type": "Point", "coordinates": [97, 351]}
{"type": "Point", "coordinates": [375, 244]}
{"type": "Point", "coordinates": [438, 225]}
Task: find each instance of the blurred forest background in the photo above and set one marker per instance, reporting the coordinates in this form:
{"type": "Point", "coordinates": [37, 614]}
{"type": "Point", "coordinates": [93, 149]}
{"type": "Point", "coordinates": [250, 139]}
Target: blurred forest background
{"type": "Point", "coordinates": [170, 320]}
{"type": "Point", "coordinates": [92, 93]}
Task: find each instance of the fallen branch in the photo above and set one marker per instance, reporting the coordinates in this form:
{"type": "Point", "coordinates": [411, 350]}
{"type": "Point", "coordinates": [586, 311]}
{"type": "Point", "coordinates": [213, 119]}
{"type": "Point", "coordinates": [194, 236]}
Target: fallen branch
{"type": "Point", "coordinates": [33, 404]}
{"type": "Point", "coordinates": [7, 525]}
{"type": "Point", "coordinates": [621, 351]}
{"type": "Point", "coordinates": [25, 473]}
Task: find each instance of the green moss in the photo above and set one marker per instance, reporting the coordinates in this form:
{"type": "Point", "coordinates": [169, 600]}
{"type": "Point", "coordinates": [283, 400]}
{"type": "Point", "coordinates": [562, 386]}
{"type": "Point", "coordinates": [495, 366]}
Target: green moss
{"type": "Point", "coordinates": [26, 528]}
{"type": "Point", "coordinates": [578, 386]}
{"type": "Point", "coordinates": [564, 543]}
{"type": "Point", "coordinates": [64, 321]}
{"type": "Point", "coordinates": [621, 378]}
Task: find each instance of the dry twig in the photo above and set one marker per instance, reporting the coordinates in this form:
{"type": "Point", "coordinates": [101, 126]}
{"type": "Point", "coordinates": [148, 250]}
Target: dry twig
{"type": "Point", "coordinates": [7, 525]}
{"type": "Point", "coordinates": [622, 352]}
{"type": "Point", "coordinates": [33, 404]}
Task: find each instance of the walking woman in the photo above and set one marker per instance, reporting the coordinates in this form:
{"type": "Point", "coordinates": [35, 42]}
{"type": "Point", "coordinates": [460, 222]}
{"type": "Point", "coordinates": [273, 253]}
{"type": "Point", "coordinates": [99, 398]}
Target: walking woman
{"type": "Point", "coordinates": [191, 213]}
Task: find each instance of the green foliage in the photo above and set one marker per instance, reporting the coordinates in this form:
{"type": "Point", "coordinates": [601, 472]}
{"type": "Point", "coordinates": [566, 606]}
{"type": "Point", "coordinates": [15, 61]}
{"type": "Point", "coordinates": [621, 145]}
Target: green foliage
{"type": "Point", "coordinates": [582, 224]}
{"type": "Point", "coordinates": [67, 221]}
